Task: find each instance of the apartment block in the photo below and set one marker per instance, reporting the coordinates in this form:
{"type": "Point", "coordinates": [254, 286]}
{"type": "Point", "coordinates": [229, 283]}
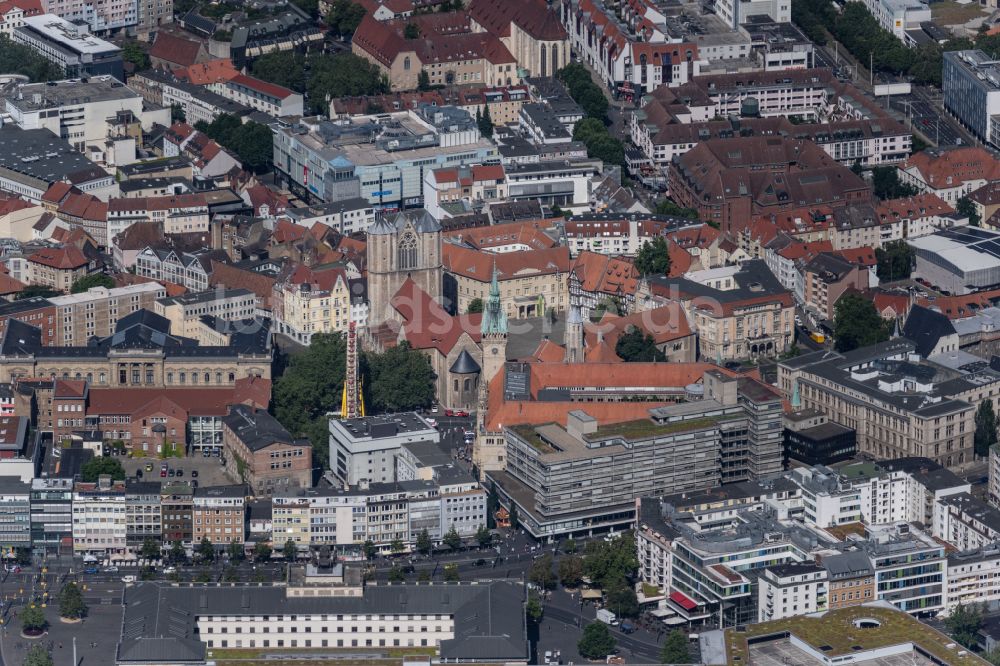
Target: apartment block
{"type": "Point", "coordinates": [176, 507]}
{"type": "Point", "coordinates": [52, 516]}
{"type": "Point", "coordinates": [15, 514]}
{"type": "Point", "coordinates": [365, 449]}
{"type": "Point", "coordinates": [787, 590]}
{"type": "Point", "coordinates": [143, 516]}
{"type": "Point", "coordinates": [95, 312]}
{"type": "Point", "coordinates": [100, 522]}
{"type": "Point", "coordinates": [218, 513]}
{"type": "Point", "coordinates": [185, 312]}
{"type": "Point", "coordinates": [262, 454]}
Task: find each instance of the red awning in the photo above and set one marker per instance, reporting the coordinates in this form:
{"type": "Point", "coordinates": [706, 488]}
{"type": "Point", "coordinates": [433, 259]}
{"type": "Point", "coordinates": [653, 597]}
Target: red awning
{"type": "Point", "coordinates": [683, 601]}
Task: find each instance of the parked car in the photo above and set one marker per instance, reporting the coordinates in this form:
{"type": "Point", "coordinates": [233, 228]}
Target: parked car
{"type": "Point", "coordinates": [91, 570]}
{"type": "Point", "coordinates": [149, 467]}
{"type": "Point", "coordinates": [138, 473]}
{"type": "Point", "coordinates": [172, 472]}
{"type": "Point", "coordinates": [194, 474]}
{"type": "Point", "coordinates": [180, 472]}
{"type": "Point", "coordinates": [128, 579]}
{"type": "Point", "coordinates": [111, 569]}
{"type": "Point", "coordinates": [169, 570]}
{"type": "Point", "coordinates": [163, 471]}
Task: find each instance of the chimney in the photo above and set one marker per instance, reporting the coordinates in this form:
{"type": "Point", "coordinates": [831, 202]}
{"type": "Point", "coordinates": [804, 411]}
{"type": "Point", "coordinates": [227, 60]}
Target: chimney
{"type": "Point", "coordinates": [580, 423]}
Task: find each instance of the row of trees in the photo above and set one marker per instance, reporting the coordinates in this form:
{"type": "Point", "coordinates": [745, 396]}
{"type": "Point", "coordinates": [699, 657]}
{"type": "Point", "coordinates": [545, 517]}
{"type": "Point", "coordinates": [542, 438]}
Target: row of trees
{"type": "Point", "coordinates": [598, 642]}
{"type": "Point", "coordinates": [321, 77]}
{"type": "Point", "coordinates": [19, 59]}
{"type": "Point", "coordinates": [861, 34]}
{"type": "Point", "coordinates": [400, 379]}
{"type": "Point", "coordinates": [600, 144]}
{"type": "Point", "coordinates": [252, 142]}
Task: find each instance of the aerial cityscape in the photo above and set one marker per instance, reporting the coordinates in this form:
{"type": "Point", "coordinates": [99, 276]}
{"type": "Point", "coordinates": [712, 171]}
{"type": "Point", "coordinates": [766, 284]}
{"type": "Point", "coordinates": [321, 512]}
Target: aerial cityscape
{"type": "Point", "coordinates": [511, 332]}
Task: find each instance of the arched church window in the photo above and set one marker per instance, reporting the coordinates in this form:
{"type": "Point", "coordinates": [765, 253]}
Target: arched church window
{"type": "Point", "coordinates": [408, 252]}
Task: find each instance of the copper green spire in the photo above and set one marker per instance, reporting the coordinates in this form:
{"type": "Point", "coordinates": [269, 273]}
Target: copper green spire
{"type": "Point", "coordinates": [494, 316]}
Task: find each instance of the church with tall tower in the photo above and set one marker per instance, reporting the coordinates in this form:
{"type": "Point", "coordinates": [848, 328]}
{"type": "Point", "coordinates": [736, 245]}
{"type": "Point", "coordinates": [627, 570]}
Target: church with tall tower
{"type": "Point", "coordinates": [408, 246]}
{"type": "Point", "coordinates": [489, 447]}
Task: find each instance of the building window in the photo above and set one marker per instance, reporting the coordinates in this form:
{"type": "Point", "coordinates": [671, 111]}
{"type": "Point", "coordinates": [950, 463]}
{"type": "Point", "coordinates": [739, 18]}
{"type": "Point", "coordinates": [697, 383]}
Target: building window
{"type": "Point", "coordinates": [408, 252]}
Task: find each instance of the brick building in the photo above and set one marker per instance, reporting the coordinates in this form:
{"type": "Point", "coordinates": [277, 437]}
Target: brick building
{"type": "Point", "coordinates": [263, 454]}
{"type": "Point", "coordinates": [218, 514]}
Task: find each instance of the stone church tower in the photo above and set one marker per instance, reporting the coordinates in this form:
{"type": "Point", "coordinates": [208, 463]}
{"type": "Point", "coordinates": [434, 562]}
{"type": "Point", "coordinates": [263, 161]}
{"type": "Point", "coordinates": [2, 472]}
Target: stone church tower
{"type": "Point", "coordinates": [488, 449]}
{"type": "Point", "coordinates": [407, 246]}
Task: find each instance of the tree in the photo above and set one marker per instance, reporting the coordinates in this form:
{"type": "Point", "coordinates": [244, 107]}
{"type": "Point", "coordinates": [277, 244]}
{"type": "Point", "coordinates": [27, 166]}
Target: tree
{"type": "Point", "coordinates": [400, 380]}
{"type": "Point", "coordinates": [606, 561]}
{"type": "Point", "coordinates": [177, 553]}
{"type": "Point", "coordinates": [96, 467]}
{"type": "Point", "coordinates": [344, 17]}
{"type": "Point", "coordinates": [886, 184]}
{"type": "Point", "coordinates": [668, 207]}
{"type": "Point", "coordinates": [967, 208]}
{"type": "Point", "coordinates": [20, 59]}
{"type": "Point", "coordinates": [653, 257]}
{"type": "Point", "coordinates": [23, 556]}
{"type": "Point", "coordinates": [485, 122]}
{"type": "Point", "coordinates": [33, 290]}
{"type": "Point", "coordinates": [856, 323]}
{"type": "Point", "coordinates": [541, 572]}
{"type": "Point", "coordinates": [252, 142]}
{"type": "Point", "coordinates": [311, 383]}
{"type": "Point", "coordinates": [370, 550]}
{"type": "Point", "coordinates": [895, 261]}
{"type": "Point", "coordinates": [411, 31]}
{"type": "Point", "coordinates": [675, 649]}
{"type": "Point", "coordinates": [236, 552]}
{"type": "Point", "coordinates": [206, 551]}
{"type": "Point", "coordinates": [484, 536]}
{"type": "Point", "coordinates": [33, 620]}
{"type": "Point", "coordinates": [37, 656]}
{"type": "Point", "coordinates": [637, 346]}
{"type": "Point", "coordinates": [451, 573]}
{"type": "Point", "coordinates": [986, 428]}
{"type": "Point", "coordinates": [282, 67]}
{"type": "Point", "coordinates": [475, 306]}
{"type": "Point", "coordinates": [290, 551]}
{"type": "Point", "coordinates": [569, 546]}
{"type": "Point", "coordinates": [621, 597]}
{"type": "Point", "coordinates": [515, 517]}
{"type": "Point", "coordinates": [534, 609]}
{"type": "Point", "coordinates": [177, 114]}
{"type": "Point", "coordinates": [424, 544]}
{"type": "Point", "coordinates": [423, 81]}
{"type": "Point", "coordinates": [396, 574]}
{"type": "Point", "coordinates": [452, 540]}
{"type": "Point", "coordinates": [396, 546]}
{"type": "Point", "coordinates": [570, 570]}
{"type": "Point", "coordinates": [71, 604]}
{"type": "Point", "coordinates": [132, 52]}
{"type": "Point", "coordinates": [262, 552]}
{"type": "Point", "coordinates": [964, 622]}
{"type": "Point", "coordinates": [231, 575]}
{"type": "Point", "coordinates": [597, 641]}
{"type": "Point", "coordinates": [150, 549]}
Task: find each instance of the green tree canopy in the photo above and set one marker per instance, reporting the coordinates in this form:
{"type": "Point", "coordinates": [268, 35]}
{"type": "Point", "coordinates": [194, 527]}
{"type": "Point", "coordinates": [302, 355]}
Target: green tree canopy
{"type": "Point", "coordinates": [37, 656]}
{"type": "Point", "coordinates": [322, 77]}
{"type": "Point", "coordinates": [637, 346]}
{"type": "Point", "coordinates": [95, 467]}
{"type": "Point", "coordinates": [236, 552]}
{"type": "Point", "coordinates": [451, 573]}
{"type": "Point", "coordinates": [484, 536]}
{"type": "Point", "coordinates": [205, 550]}
{"type": "Point", "coordinates": [541, 572]}
{"type": "Point", "coordinates": [424, 544]}
{"type": "Point", "coordinates": [668, 207]}
{"type": "Point", "coordinates": [606, 561]}
{"type": "Point", "coordinates": [621, 597]}
{"type": "Point", "coordinates": [71, 604]}
{"type": "Point", "coordinates": [475, 306]}
{"type": "Point", "coordinates": [262, 552]}
{"type": "Point", "coordinates": [401, 379]}
{"type": "Point", "coordinates": [411, 31]}
{"type": "Point", "coordinates": [534, 609]}
{"type": "Point", "coordinates": [150, 549]}
{"type": "Point", "coordinates": [886, 184]}
{"type": "Point", "coordinates": [251, 142]}
{"type": "Point", "coordinates": [653, 257]}
{"type": "Point", "coordinates": [967, 208]}
{"type": "Point", "coordinates": [91, 281]}
{"type": "Point", "coordinates": [344, 17]}
{"type": "Point", "coordinates": [396, 574]}
{"type": "Point", "coordinates": [856, 323]}
{"type": "Point", "coordinates": [33, 290]}
{"type": "Point", "coordinates": [133, 52]}
{"type": "Point", "coordinates": [570, 570]}
{"type": "Point", "coordinates": [33, 619]}
{"type": "Point", "coordinates": [895, 261]}
{"type": "Point", "coordinates": [485, 121]}
{"type": "Point", "coordinates": [177, 553]}
{"type": "Point", "coordinates": [584, 91]}
{"type": "Point", "coordinates": [600, 145]}
{"type": "Point", "coordinates": [17, 58]}
{"type": "Point", "coordinates": [964, 622]}
{"type": "Point", "coordinates": [282, 67]}
{"type": "Point", "coordinates": [452, 539]}
{"type": "Point", "coordinates": [675, 649]}
{"type": "Point", "coordinates": [597, 641]}
{"type": "Point", "coordinates": [986, 428]}
{"type": "Point", "coordinates": [290, 551]}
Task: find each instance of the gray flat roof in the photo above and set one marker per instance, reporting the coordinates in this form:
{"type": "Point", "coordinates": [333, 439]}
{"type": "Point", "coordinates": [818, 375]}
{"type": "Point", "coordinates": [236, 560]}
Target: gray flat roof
{"type": "Point", "coordinates": [70, 92]}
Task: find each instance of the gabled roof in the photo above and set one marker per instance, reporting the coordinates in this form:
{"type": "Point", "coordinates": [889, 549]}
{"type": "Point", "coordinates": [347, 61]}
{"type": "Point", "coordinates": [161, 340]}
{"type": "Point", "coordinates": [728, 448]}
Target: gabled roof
{"type": "Point", "coordinates": [602, 352]}
{"type": "Point", "coordinates": [534, 17]}
{"type": "Point", "coordinates": [175, 50]}
{"type": "Point", "coordinates": [427, 325]}
{"type": "Point", "coordinates": [926, 328]}
{"type": "Point", "coordinates": [63, 258]}
{"type": "Point", "coordinates": [478, 266]}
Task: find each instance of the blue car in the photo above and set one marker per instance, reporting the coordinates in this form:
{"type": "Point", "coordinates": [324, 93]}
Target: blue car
{"type": "Point", "coordinates": [91, 570]}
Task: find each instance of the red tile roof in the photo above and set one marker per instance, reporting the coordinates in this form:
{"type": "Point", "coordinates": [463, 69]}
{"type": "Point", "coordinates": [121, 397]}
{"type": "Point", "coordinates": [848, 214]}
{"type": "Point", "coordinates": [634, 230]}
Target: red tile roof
{"type": "Point", "coordinates": [602, 352]}
{"type": "Point", "coordinates": [213, 71]}
{"type": "Point", "coordinates": [477, 265]}
{"type": "Point", "coordinates": [549, 352]}
{"type": "Point", "coordinates": [663, 324]}
{"type": "Point", "coordinates": [528, 233]}
{"type": "Point", "coordinates": [951, 167]}
{"type": "Point", "coordinates": [270, 89]}
{"type": "Point", "coordinates": [534, 17]}
{"type": "Point", "coordinates": [175, 50]}
{"type": "Point", "coordinates": [600, 273]}
{"type": "Point", "coordinates": [427, 325]}
{"type": "Point", "coordinates": [63, 258]}
{"type": "Point", "coordinates": [9, 285]}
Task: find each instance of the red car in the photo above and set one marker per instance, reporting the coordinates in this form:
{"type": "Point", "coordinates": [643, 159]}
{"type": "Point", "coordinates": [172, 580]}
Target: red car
{"type": "Point", "coordinates": [455, 412]}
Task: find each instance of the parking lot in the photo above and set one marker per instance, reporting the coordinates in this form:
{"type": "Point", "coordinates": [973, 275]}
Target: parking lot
{"type": "Point", "coordinates": [210, 470]}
